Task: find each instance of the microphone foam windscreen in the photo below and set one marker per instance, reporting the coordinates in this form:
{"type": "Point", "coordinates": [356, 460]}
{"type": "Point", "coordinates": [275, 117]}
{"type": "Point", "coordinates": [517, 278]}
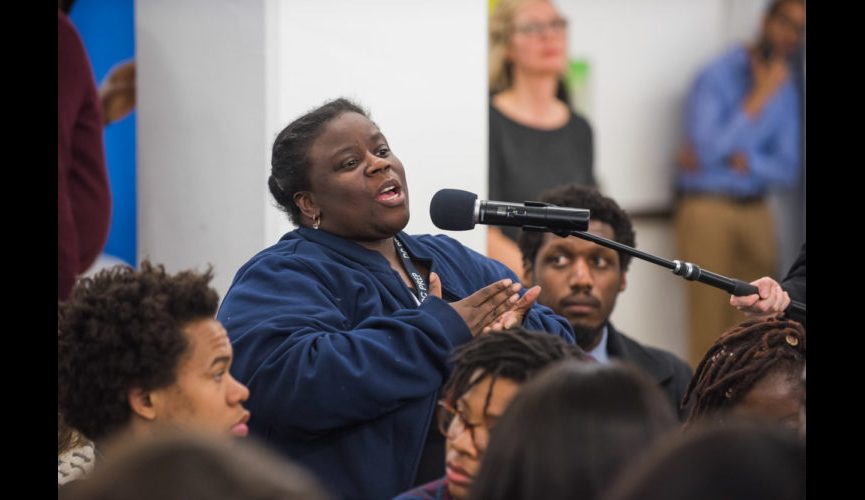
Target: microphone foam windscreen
{"type": "Point", "coordinates": [453, 209]}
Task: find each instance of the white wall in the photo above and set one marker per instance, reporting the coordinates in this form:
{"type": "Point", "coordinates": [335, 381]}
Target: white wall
{"type": "Point", "coordinates": [201, 137]}
{"type": "Point", "coordinates": [419, 67]}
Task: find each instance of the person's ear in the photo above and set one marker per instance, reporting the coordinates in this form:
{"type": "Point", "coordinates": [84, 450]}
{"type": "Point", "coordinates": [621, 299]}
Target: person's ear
{"type": "Point", "coordinates": [305, 201]}
{"type": "Point", "coordinates": [141, 404]}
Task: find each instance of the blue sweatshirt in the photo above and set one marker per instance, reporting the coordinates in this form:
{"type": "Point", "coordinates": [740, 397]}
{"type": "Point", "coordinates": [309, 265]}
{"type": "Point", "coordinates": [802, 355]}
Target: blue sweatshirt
{"type": "Point", "coordinates": [342, 364]}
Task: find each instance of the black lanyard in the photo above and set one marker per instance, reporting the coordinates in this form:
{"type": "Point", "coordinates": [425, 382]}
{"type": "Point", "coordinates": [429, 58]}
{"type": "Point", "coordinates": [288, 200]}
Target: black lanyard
{"type": "Point", "coordinates": [420, 287]}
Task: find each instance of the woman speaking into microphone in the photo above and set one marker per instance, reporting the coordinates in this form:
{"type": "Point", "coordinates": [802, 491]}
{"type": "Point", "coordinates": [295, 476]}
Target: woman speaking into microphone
{"type": "Point", "coordinates": [342, 329]}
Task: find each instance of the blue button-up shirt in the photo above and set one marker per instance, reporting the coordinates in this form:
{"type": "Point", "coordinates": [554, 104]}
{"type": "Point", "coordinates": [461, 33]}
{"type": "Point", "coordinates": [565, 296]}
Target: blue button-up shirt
{"type": "Point", "coordinates": [600, 350]}
{"type": "Point", "coordinates": [718, 127]}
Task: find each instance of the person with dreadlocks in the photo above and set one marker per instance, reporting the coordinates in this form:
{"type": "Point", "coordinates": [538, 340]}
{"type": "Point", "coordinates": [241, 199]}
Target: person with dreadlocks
{"type": "Point", "coordinates": [487, 373]}
{"type": "Point", "coordinates": [753, 370]}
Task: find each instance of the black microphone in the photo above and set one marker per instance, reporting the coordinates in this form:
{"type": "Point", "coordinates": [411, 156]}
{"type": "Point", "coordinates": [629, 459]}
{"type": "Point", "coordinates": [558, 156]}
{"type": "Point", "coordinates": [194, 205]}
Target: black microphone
{"type": "Point", "coordinates": [458, 210]}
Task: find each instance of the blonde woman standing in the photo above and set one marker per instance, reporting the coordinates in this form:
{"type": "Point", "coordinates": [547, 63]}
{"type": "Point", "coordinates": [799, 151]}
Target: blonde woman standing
{"type": "Point", "coordinates": [536, 140]}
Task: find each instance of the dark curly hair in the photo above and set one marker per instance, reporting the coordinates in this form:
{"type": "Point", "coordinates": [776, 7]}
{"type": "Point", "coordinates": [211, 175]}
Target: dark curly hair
{"type": "Point", "coordinates": [121, 329]}
{"type": "Point", "coordinates": [740, 358]}
{"type": "Point", "coordinates": [289, 173]}
{"type": "Point", "coordinates": [603, 209]}
{"type": "Point", "coordinates": [515, 354]}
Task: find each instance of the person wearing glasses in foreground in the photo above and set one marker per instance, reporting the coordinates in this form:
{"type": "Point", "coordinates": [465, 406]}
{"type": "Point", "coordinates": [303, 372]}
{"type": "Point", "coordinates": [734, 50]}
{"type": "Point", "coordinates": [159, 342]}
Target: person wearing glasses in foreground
{"type": "Point", "coordinates": [487, 374]}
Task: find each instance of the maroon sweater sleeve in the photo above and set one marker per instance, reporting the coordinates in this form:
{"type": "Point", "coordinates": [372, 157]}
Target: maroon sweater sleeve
{"type": "Point", "coordinates": [83, 192]}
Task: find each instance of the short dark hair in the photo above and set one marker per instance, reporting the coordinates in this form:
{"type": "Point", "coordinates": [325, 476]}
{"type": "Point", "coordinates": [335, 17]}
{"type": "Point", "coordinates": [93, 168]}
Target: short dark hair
{"type": "Point", "coordinates": [603, 209]}
{"type": "Point", "coordinates": [741, 357]}
{"type": "Point", "coordinates": [515, 354]}
{"type": "Point", "coordinates": [119, 330]}
{"type": "Point", "coordinates": [740, 460]}
{"type": "Point", "coordinates": [289, 173]}
{"type": "Point", "coordinates": [174, 466]}
{"type": "Point", "coordinates": [584, 421]}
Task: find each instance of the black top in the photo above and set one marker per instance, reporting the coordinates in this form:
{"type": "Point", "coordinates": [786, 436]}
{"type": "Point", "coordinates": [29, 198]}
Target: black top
{"type": "Point", "coordinates": [794, 284]}
{"type": "Point", "coordinates": [671, 373]}
{"type": "Point", "coordinates": [432, 458]}
{"type": "Point", "coordinates": [526, 161]}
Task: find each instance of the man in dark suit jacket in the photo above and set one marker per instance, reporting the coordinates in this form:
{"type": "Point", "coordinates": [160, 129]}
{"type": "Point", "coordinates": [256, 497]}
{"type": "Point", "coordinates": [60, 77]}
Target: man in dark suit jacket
{"type": "Point", "coordinates": [581, 280]}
